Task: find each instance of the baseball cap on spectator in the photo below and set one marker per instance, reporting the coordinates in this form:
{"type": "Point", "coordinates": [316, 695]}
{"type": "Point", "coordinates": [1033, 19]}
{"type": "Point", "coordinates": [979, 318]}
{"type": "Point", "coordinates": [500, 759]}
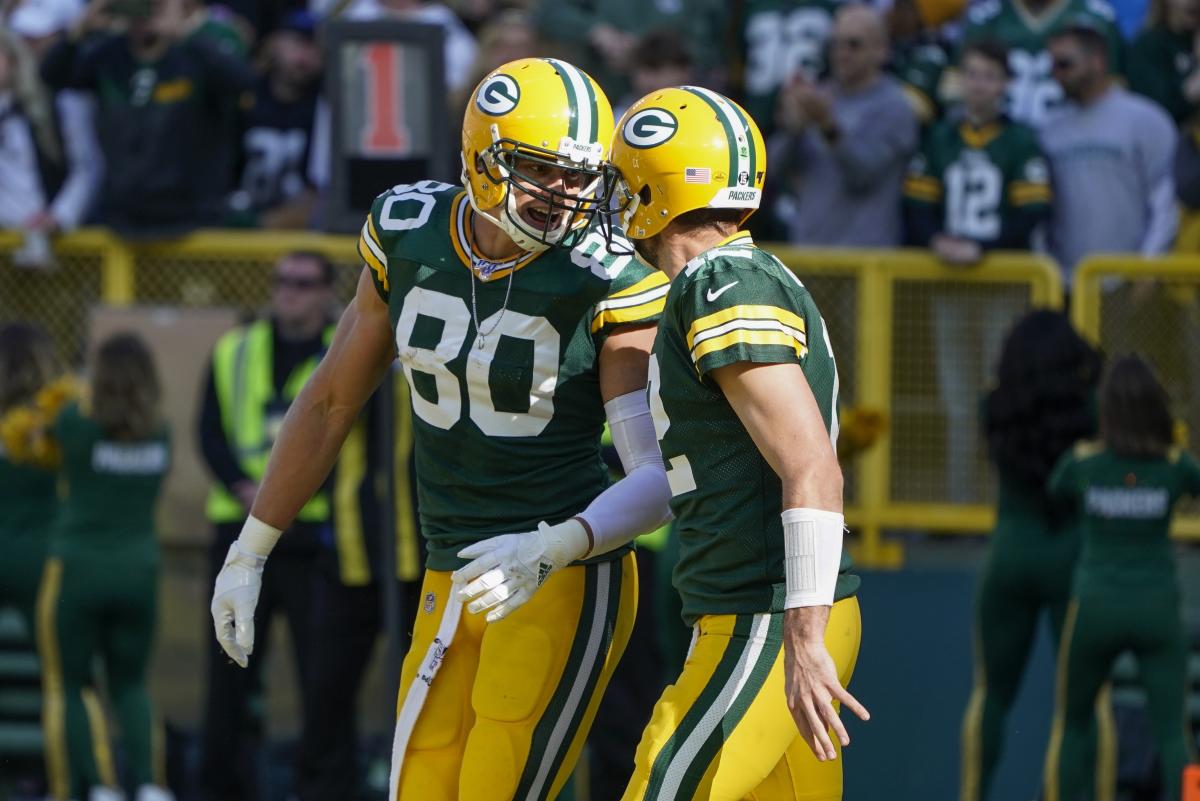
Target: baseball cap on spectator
{"type": "Point", "coordinates": [37, 18]}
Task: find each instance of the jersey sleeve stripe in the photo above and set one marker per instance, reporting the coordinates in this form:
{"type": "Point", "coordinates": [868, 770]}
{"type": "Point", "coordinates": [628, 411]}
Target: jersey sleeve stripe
{"type": "Point", "coordinates": [652, 281]}
{"type": "Point", "coordinates": [922, 188]}
{"type": "Point", "coordinates": [744, 336]}
{"type": "Point", "coordinates": [372, 255]}
{"type": "Point", "coordinates": [744, 313]}
{"type": "Point", "coordinates": [1021, 193]}
{"type": "Point", "coordinates": [645, 312]}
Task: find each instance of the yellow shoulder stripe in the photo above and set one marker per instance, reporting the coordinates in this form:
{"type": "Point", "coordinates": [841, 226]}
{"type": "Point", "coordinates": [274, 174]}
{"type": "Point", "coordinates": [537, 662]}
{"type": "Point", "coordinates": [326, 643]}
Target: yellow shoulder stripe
{"type": "Point", "coordinates": [922, 187]}
{"type": "Point", "coordinates": [372, 254]}
{"type": "Point", "coordinates": [655, 279]}
{"type": "Point", "coordinates": [744, 314]}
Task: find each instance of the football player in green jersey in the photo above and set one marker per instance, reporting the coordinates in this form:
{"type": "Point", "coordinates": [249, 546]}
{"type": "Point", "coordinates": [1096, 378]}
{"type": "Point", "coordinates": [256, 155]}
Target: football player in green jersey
{"type": "Point", "coordinates": [743, 388]}
{"type": "Point", "coordinates": [520, 332]}
{"type": "Point", "coordinates": [1026, 26]}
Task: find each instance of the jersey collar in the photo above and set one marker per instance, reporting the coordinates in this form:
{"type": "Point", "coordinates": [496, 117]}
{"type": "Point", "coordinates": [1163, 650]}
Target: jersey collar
{"type": "Point", "coordinates": [740, 240]}
{"type": "Point", "coordinates": [978, 138]}
{"type": "Point", "coordinates": [462, 236]}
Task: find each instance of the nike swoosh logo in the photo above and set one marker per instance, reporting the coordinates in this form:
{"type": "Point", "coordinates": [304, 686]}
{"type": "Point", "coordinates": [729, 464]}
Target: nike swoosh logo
{"type": "Point", "coordinates": [713, 294]}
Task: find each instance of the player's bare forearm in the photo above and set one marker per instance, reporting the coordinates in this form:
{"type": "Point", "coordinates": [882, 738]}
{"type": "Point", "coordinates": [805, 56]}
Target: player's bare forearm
{"type": "Point", "coordinates": [625, 360]}
{"type": "Point", "coordinates": [321, 416]}
{"type": "Point", "coordinates": [777, 407]}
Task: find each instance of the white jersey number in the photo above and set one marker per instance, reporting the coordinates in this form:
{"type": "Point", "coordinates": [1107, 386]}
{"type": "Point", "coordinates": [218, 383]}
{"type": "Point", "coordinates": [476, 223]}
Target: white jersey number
{"type": "Point", "coordinates": [974, 189]}
{"type": "Point", "coordinates": [679, 469]}
{"type": "Point", "coordinates": [455, 318]}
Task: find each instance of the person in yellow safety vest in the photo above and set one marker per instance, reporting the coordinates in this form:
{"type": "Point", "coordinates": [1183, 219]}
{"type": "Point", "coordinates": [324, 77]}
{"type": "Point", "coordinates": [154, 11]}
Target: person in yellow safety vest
{"type": "Point", "coordinates": [257, 371]}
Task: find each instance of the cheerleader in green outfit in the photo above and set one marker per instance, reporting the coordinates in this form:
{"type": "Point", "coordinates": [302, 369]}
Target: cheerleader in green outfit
{"type": "Point", "coordinates": [1126, 595]}
{"type": "Point", "coordinates": [1043, 403]}
{"type": "Point", "coordinates": [27, 493]}
{"type": "Point", "coordinates": [98, 594]}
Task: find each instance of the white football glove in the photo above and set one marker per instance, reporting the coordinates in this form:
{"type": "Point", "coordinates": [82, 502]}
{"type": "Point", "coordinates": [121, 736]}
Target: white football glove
{"type": "Point", "coordinates": [507, 569]}
{"type": "Point", "coordinates": [235, 595]}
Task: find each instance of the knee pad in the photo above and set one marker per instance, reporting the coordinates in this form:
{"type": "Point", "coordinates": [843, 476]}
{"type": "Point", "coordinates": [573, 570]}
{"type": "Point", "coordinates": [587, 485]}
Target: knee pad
{"type": "Point", "coordinates": [514, 671]}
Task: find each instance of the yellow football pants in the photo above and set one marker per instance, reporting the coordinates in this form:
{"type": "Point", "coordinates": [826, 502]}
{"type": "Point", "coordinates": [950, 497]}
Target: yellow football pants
{"type": "Point", "coordinates": [723, 731]}
{"type": "Point", "coordinates": [511, 702]}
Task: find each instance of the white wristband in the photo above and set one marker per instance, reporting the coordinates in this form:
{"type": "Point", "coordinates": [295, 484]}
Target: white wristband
{"type": "Point", "coordinates": [812, 556]}
{"type": "Point", "coordinates": [257, 537]}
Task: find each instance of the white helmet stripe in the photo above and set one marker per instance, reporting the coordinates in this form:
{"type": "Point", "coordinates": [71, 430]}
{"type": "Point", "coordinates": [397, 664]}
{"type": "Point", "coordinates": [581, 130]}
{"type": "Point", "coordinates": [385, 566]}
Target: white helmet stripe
{"type": "Point", "coordinates": [585, 119]}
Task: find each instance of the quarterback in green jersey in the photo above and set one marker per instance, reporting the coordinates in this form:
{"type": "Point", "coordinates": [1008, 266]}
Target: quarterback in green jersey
{"type": "Point", "coordinates": [743, 388]}
{"type": "Point", "coordinates": [1025, 27]}
{"type": "Point", "coordinates": [520, 331]}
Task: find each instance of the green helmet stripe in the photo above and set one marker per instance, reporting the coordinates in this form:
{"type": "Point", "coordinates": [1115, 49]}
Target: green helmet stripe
{"type": "Point", "coordinates": [741, 154]}
{"type": "Point", "coordinates": [583, 115]}
{"type": "Point", "coordinates": [593, 133]}
{"type": "Point", "coordinates": [750, 148]}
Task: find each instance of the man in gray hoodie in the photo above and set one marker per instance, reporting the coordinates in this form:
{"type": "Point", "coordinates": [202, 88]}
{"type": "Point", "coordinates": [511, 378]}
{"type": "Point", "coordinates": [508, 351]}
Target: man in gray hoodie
{"type": "Point", "coordinates": [1111, 154]}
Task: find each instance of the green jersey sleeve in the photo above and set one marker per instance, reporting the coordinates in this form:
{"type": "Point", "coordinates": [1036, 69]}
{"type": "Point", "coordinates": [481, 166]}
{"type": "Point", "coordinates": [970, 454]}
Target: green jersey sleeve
{"type": "Point", "coordinates": [405, 207]}
{"type": "Point", "coordinates": [732, 315]}
{"type": "Point", "coordinates": [1029, 185]}
{"type": "Point", "coordinates": [923, 184]}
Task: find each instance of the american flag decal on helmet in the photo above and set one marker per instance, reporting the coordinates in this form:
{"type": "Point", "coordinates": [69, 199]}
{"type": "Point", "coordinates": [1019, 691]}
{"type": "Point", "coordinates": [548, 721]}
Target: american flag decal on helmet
{"type": "Point", "coordinates": [697, 175]}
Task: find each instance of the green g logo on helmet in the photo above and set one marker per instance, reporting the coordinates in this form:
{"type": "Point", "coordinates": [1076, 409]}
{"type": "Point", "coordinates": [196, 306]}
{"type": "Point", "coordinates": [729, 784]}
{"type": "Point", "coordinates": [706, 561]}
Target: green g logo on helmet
{"type": "Point", "coordinates": [649, 128]}
{"type": "Point", "coordinates": [498, 96]}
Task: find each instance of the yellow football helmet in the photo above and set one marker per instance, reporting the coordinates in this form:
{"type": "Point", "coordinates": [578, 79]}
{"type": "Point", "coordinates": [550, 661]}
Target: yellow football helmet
{"type": "Point", "coordinates": [682, 149]}
{"type": "Point", "coordinates": [527, 115]}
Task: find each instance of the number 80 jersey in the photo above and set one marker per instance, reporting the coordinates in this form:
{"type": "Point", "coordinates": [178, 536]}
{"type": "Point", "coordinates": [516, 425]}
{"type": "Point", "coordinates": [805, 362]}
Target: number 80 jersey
{"type": "Point", "coordinates": [507, 412]}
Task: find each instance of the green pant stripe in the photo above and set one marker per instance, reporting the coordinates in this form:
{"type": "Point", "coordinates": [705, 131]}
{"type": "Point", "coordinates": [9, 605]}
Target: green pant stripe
{"type": "Point", "coordinates": [553, 734]}
{"type": "Point", "coordinates": [58, 775]}
{"type": "Point", "coordinates": [733, 658]}
{"type": "Point", "coordinates": [692, 774]}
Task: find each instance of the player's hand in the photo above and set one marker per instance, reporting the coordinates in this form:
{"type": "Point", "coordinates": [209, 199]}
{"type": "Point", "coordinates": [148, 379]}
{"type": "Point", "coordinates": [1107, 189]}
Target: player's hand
{"type": "Point", "coordinates": [507, 569]}
{"type": "Point", "coordinates": [812, 686]}
{"type": "Point", "coordinates": [235, 595]}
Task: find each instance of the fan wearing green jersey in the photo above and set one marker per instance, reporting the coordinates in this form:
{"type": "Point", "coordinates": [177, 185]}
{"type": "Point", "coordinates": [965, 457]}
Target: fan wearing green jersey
{"type": "Point", "coordinates": [520, 333]}
{"type": "Point", "coordinates": [1126, 595]}
{"type": "Point", "coordinates": [744, 391]}
{"type": "Point", "coordinates": [1025, 27]}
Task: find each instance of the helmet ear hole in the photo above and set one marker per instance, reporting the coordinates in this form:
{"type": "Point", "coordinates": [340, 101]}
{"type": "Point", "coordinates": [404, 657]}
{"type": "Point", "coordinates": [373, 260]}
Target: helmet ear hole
{"type": "Point", "coordinates": [644, 195]}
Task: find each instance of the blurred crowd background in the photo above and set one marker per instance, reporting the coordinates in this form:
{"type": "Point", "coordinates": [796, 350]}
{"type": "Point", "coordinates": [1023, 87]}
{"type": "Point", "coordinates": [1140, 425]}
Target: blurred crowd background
{"type": "Point", "coordinates": [971, 156]}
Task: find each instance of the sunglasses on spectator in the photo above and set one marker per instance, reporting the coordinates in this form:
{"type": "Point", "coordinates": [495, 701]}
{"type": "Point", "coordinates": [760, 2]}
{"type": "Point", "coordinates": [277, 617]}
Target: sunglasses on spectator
{"type": "Point", "coordinates": [848, 42]}
{"type": "Point", "coordinates": [289, 282]}
{"type": "Point", "coordinates": [1060, 64]}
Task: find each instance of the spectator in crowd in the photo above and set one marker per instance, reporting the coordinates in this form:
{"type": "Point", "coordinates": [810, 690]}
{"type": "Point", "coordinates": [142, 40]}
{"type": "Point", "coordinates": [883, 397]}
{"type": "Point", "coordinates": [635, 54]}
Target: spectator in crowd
{"type": "Point", "coordinates": [276, 131]}
{"type": "Point", "coordinates": [1162, 59]}
{"type": "Point", "coordinates": [1111, 155]}
{"type": "Point", "coordinates": [99, 590]}
{"type": "Point", "coordinates": [28, 492]}
{"type": "Point", "coordinates": [1025, 27]}
{"type": "Point", "coordinates": [600, 37]}
{"type": "Point", "coordinates": [660, 59]}
{"type": "Point", "coordinates": [919, 56]}
{"type": "Point", "coordinates": [50, 165]}
{"type": "Point", "coordinates": [256, 372]}
{"type": "Point", "coordinates": [1126, 593]}
{"type": "Point", "coordinates": [158, 93]}
{"type": "Point", "coordinates": [1042, 404]}
{"type": "Point", "coordinates": [778, 43]}
{"type": "Point", "coordinates": [843, 145]}
{"type": "Point", "coordinates": [980, 182]}
{"type": "Point", "coordinates": [509, 36]}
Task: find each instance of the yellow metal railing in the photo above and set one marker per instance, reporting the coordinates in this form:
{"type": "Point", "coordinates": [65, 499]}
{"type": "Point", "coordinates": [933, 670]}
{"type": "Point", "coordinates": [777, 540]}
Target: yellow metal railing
{"type": "Point", "coordinates": [880, 307]}
{"type": "Point", "coordinates": [888, 296]}
{"type": "Point", "coordinates": [1151, 306]}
